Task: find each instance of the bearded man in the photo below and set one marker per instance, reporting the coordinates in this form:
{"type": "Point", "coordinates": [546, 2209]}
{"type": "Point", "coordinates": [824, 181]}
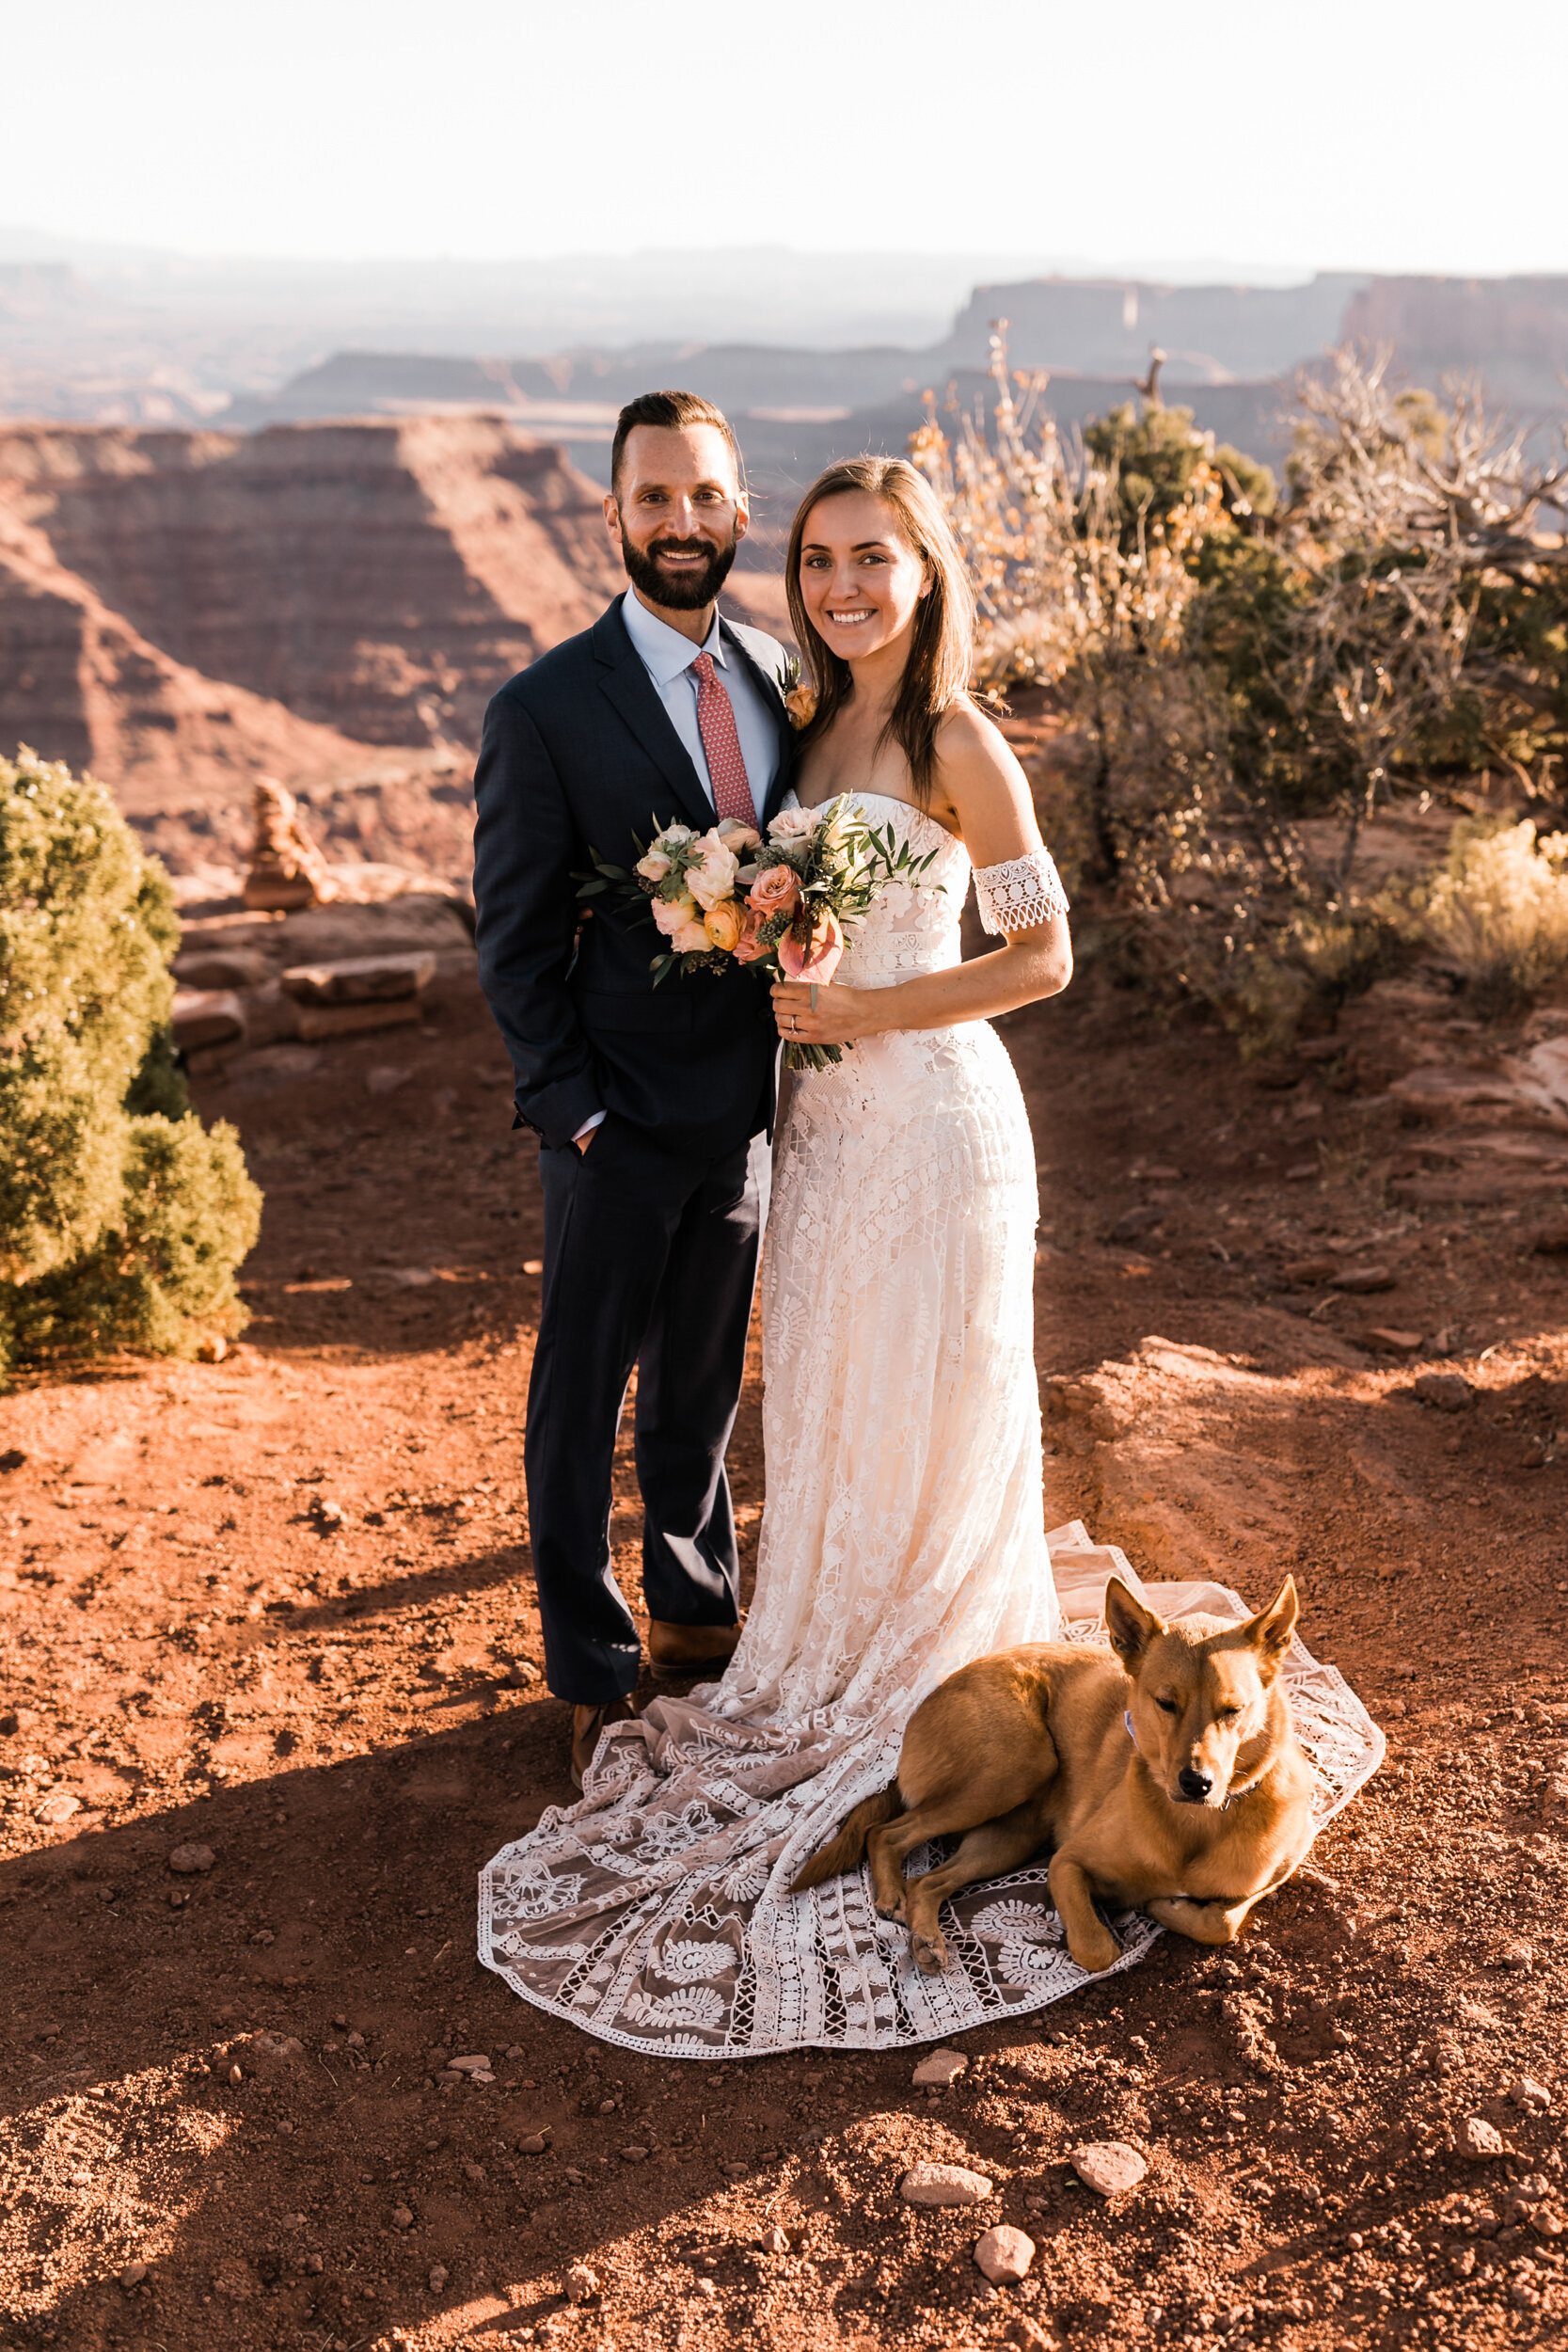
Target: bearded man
{"type": "Point", "coordinates": [652, 1105]}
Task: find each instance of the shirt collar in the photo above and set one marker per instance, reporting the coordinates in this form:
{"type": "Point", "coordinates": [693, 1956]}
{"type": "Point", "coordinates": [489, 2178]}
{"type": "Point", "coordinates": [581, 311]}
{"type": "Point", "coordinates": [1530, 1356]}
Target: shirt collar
{"type": "Point", "coordinates": [665, 653]}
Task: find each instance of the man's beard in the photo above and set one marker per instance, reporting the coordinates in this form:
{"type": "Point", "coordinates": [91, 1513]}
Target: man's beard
{"type": "Point", "coordinates": [683, 591]}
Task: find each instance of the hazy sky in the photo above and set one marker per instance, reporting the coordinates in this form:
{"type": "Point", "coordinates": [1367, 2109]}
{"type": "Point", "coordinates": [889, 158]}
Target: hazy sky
{"type": "Point", "coordinates": [1343, 134]}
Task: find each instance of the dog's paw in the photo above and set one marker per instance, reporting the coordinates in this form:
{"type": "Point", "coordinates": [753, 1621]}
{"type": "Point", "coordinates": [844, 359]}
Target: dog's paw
{"type": "Point", "coordinates": [1094, 1953]}
{"type": "Point", "coordinates": [898, 1909]}
{"type": "Point", "coordinates": [930, 1953]}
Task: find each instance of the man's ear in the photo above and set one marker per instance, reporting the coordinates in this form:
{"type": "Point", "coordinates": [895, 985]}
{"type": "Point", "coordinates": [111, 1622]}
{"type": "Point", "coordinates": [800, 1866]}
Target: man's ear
{"type": "Point", "coordinates": [1129, 1625]}
{"type": "Point", "coordinates": [613, 516]}
{"type": "Point", "coordinates": [1270, 1630]}
{"type": "Point", "coordinates": [742, 516]}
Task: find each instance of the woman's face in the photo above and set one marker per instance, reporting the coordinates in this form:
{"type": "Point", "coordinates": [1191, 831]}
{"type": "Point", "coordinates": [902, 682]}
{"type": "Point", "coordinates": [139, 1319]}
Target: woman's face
{"type": "Point", "coordinates": [860, 579]}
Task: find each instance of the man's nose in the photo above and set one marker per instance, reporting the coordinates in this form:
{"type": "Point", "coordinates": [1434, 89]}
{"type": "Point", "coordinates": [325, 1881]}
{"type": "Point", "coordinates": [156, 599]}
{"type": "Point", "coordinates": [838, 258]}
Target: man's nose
{"type": "Point", "coordinates": [1193, 1784]}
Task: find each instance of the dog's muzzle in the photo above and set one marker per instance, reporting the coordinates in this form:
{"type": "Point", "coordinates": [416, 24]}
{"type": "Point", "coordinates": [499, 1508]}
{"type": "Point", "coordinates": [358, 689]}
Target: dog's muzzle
{"type": "Point", "coordinates": [1195, 1786]}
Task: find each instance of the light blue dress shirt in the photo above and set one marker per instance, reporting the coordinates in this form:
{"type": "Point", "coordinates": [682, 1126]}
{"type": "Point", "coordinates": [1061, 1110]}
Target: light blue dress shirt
{"type": "Point", "coordinates": [667, 657]}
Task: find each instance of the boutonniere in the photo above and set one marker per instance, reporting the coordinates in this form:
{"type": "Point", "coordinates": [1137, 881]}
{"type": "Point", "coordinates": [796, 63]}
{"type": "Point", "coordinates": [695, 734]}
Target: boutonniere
{"type": "Point", "coordinates": [799, 700]}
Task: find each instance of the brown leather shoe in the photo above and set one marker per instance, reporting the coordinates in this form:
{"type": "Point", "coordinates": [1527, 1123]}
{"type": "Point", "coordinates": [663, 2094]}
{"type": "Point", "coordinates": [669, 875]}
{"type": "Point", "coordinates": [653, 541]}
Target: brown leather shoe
{"type": "Point", "coordinates": [676, 1651]}
{"type": "Point", "coordinates": [588, 1723]}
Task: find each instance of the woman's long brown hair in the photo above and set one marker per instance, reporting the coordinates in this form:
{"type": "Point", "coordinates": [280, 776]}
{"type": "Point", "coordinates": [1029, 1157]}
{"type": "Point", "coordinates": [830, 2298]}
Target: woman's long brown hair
{"type": "Point", "coordinates": [936, 676]}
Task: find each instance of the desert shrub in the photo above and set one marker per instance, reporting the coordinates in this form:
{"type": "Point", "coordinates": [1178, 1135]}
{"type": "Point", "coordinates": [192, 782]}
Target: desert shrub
{"type": "Point", "coordinates": [121, 1219]}
{"type": "Point", "coordinates": [1498, 910]}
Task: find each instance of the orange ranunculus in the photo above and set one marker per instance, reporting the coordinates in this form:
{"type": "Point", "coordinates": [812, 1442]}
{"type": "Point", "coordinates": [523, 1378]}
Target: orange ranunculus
{"type": "Point", "coordinates": [722, 925]}
{"type": "Point", "coordinates": [775, 891]}
{"type": "Point", "coordinates": [816, 956]}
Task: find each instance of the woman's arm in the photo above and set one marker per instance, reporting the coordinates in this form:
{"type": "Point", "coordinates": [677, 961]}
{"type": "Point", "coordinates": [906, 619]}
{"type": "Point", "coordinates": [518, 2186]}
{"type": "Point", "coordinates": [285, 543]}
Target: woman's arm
{"type": "Point", "coordinates": [983, 794]}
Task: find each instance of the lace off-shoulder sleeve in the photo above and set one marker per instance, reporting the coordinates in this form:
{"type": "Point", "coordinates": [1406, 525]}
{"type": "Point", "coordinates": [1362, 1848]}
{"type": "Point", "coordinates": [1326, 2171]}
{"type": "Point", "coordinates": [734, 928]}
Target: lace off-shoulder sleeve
{"type": "Point", "coordinates": [1018, 894]}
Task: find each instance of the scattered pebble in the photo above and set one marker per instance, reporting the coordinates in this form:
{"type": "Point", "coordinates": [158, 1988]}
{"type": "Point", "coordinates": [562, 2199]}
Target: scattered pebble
{"type": "Point", "coordinates": [474, 2173]}
{"type": "Point", "coordinates": [438, 2279]}
{"type": "Point", "coordinates": [401, 2218]}
{"type": "Point", "coordinates": [533, 2144]}
{"type": "Point", "coordinates": [707, 2286]}
{"type": "Point", "coordinates": [1109, 2167]}
{"type": "Point", "coordinates": [938, 2069]}
{"type": "Point", "coordinates": [57, 1807]}
{"type": "Point", "coordinates": [944, 2184]}
{"type": "Point", "coordinates": [235, 2077]}
{"type": "Point", "coordinates": [1449, 1391]}
{"type": "Point", "coordinates": [1527, 2092]}
{"type": "Point", "coordinates": [581, 2282]}
{"type": "Point", "coordinates": [186, 1860]}
{"type": "Point", "coordinates": [1519, 1957]}
{"type": "Point", "coordinates": [1360, 1280]}
{"type": "Point", "coordinates": [1005, 2255]}
{"type": "Point", "coordinates": [475, 2064]}
{"type": "Point", "coordinates": [133, 2274]}
{"type": "Point", "coordinates": [774, 2241]}
{"type": "Point", "coordinates": [1480, 2140]}
{"type": "Point", "coordinates": [633, 2155]}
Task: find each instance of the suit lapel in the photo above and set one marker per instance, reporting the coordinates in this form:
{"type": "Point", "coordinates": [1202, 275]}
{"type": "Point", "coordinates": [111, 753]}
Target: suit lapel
{"type": "Point", "coordinates": [627, 685]}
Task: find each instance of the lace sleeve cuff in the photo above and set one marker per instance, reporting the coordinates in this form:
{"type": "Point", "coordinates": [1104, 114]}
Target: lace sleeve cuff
{"type": "Point", "coordinates": [1019, 893]}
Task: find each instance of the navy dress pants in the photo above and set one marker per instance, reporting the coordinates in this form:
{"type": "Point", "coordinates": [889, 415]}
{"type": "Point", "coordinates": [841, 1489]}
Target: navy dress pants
{"type": "Point", "coordinates": [650, 1259]}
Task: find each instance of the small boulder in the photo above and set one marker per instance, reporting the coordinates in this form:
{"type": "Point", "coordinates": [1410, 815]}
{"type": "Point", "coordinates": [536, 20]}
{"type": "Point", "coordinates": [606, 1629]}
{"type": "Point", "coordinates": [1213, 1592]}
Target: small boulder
{"type": "Point", "coordinates": [133, 2274]}
{"type": "Point", "coordinates": [944, 2184]}
{"type": "Point", "coordinates": [533, 2144]}
{"type": "Point", "coordinates": [1005, 2255]}
{"type": "Point", "coordinates": [581, 2283]}
{"type": "Point", "coordinates": [1393, 1340]}
{"type": "Point", "coordinates": [938, 2069]}
{"type": "Point", "coordinates": [475, 2064]}
{"type": "Point", "coordinates": [1109, 2167]}
{"type": "Point", "coordinates": [1527, 2092]}
{"type": "Point", "coordinates": [1450, 1391]}
{"type": "Point", "coordinates": [186, 1860]}
{"type": "Point", "coordinates": [773, 2240]}
{"type": "Point", "coordinates": [57, 1806]}
{"type": "Point", "coordinates": [401, 2218]}
{"type": "Point", "coordinates": [1479, 2140]}
{"type": "Point", "coordinates": [1361, 1279]}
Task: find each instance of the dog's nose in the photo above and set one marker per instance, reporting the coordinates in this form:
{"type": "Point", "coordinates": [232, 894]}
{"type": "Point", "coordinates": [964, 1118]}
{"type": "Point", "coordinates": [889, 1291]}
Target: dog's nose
{"type": "Point", "coordinates": [1194, 1786]}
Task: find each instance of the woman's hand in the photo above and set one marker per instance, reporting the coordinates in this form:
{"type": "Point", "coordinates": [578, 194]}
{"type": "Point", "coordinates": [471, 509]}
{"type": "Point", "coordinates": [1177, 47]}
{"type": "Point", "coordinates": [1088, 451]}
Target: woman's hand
{"type": "Point", "coordinates": [838, 1016]}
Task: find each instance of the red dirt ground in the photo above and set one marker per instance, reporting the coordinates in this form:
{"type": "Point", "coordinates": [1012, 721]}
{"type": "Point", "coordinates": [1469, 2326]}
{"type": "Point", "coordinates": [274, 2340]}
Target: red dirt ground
{"type": "Point", "coordinates": [237, 2077]}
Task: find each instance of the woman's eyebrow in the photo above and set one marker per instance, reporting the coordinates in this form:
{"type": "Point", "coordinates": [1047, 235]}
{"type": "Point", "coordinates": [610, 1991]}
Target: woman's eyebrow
{"type": "Point", "coordinates": [862, 546]}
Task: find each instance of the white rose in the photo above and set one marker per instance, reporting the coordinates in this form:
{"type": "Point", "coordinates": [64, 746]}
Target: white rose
{"type": "Point", "coordinates": [654, 867]}
{"type": "Point", "coordinates": [792, 824]}
{"type": "Point", "coordinates": [711, 874]}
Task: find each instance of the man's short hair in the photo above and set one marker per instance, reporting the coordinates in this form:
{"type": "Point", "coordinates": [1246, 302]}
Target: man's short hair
{"type": "Point", "coordinates": [671, 411]}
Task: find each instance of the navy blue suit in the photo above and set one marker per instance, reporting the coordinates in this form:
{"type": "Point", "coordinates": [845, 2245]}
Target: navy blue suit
{"type": "Point", "coordinates": [650, 1237]}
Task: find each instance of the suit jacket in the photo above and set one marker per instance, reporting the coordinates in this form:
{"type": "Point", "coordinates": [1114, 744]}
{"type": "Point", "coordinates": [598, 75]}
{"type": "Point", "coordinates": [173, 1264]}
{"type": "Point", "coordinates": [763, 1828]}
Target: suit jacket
{"type": "Point", "coordinates": [578, 753]}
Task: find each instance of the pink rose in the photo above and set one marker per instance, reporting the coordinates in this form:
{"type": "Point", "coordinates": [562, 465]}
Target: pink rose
{"type": "Point", "coordinates": [681, 924]}
{"type": "Point", "coordinates": [816, 956]}
{"type": "Point", "coordinates": [653, 866]}
{"type": "Point", "coordinates": [737, 836]}
{"type": "Point", "coordinates": [793, 824]}
{"type": "Point", "coordinates": [749, 947]}
{"type": "Point", "coordinates": [775, 891]}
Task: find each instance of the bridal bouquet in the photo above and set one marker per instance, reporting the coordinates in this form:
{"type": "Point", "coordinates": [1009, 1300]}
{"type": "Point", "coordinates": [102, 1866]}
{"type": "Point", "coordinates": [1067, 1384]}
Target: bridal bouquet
{"type": "Point", "coordinates": [728, 896]}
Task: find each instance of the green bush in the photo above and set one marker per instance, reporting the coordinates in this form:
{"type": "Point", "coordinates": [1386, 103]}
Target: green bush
{"type": "Point", "coordinates": [121, 1219]}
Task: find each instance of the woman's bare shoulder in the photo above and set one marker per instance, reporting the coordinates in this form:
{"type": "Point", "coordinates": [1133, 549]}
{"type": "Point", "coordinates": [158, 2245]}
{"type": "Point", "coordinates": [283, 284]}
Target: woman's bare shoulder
{"type": "Point", "coordinates": [971, 749]}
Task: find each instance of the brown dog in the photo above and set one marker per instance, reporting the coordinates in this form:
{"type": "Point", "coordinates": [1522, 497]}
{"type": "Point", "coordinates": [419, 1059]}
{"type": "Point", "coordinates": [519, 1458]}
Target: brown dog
{"type": "Point", "coordinates": [1200, 1812]}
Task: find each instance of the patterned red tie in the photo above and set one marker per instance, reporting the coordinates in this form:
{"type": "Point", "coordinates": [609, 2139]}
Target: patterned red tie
{"type": "Point", "coordinates": [726, 763]}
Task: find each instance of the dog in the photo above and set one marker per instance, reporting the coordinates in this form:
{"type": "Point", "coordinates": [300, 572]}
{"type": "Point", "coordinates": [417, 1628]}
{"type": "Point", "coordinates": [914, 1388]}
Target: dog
{"type": "Point", "coordinates": [1164, 1779]}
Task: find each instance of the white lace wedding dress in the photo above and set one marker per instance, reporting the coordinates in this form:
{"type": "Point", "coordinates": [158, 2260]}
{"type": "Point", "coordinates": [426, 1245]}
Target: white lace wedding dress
{"type": "Point", "coordinates": [902, 1536]}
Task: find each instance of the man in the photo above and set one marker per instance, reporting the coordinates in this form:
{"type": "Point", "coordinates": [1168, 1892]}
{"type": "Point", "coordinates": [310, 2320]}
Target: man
{"type": "Point", "coordinates": [653, 1105]}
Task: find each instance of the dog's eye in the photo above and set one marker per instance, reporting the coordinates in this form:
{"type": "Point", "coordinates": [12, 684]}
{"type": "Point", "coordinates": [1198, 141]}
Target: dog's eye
{"type": "Point", "coordinates": [1229, 1714]}
{"type": "Point", "coordinates": [1167, 1706]}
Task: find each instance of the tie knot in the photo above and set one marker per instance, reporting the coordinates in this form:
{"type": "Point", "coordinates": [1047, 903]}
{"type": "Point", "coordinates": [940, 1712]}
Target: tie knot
{"type": "Point", "coordinates": [703, 667]}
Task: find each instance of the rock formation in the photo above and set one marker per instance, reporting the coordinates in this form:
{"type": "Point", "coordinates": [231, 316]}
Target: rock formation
{"type": "Point", "coordinates": [287, 870]}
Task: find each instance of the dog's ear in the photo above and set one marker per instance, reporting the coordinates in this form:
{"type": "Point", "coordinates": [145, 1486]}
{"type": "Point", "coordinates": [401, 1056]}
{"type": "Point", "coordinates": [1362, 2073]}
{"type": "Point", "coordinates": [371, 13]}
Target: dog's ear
{"type": "Point", "coordinates": [1270, 1630]}
{"type": "Point", "coordinates": [1129, 1625]}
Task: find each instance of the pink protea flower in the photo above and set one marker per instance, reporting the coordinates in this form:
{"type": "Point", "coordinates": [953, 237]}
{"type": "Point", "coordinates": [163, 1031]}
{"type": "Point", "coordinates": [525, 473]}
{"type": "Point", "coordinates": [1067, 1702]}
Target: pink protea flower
{"type": "Point", "coordinates": [816, 957]}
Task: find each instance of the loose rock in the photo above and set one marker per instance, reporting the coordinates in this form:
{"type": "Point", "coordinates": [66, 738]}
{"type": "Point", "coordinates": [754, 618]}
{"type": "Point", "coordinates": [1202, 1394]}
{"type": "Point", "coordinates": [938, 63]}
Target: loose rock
{"type": "Point", "coordinates": [58, 1807]}
{"type": "Point", "coordinates": [940, 2067]}
{"type": "Point", "coordinates": [1527, 2092]}
{"type": "Point", "coordinates": [476, 2063]}
{"type": "Point", "coordinates": [1450, 1391]}
{"type": "Point", "coordinates": [581, 2282]}
{"type": "Point", "coordinates": [535, 2144]}
{"type": "Point", "coordinates": [187, 1860]}
{"type": "Point", "coordinates": [1479, 2139]}
{"type": "Point", "coordinates": [633, 2155]}
{"type": "Point", "coordinates": [133, 2274]}
{"type": "Point", "coordinates": [401, 2218]}
{"type": "Point", "coordinates": [944, 2184]}
{"type": "Point", "coordinates": [1359, 1280]}
{"type": "Point", "coordinates": [438, 2279]}
{"type": "Point", "coordinates": [1005, 2255]}
{"type": "Point", "coordinates": [774, 2241]}
{"type": "Point", "coordinates": [1109, 2167]}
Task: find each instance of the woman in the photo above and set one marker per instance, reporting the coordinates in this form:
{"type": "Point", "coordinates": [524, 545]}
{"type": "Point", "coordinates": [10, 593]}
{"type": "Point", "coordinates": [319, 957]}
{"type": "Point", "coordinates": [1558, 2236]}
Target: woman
{"type": "Point", "coordinates": [903, 1532]}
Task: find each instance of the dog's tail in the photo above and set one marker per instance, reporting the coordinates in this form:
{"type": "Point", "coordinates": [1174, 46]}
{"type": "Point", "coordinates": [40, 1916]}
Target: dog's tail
{"type": "Point", "coordinates": [843, 1852]}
